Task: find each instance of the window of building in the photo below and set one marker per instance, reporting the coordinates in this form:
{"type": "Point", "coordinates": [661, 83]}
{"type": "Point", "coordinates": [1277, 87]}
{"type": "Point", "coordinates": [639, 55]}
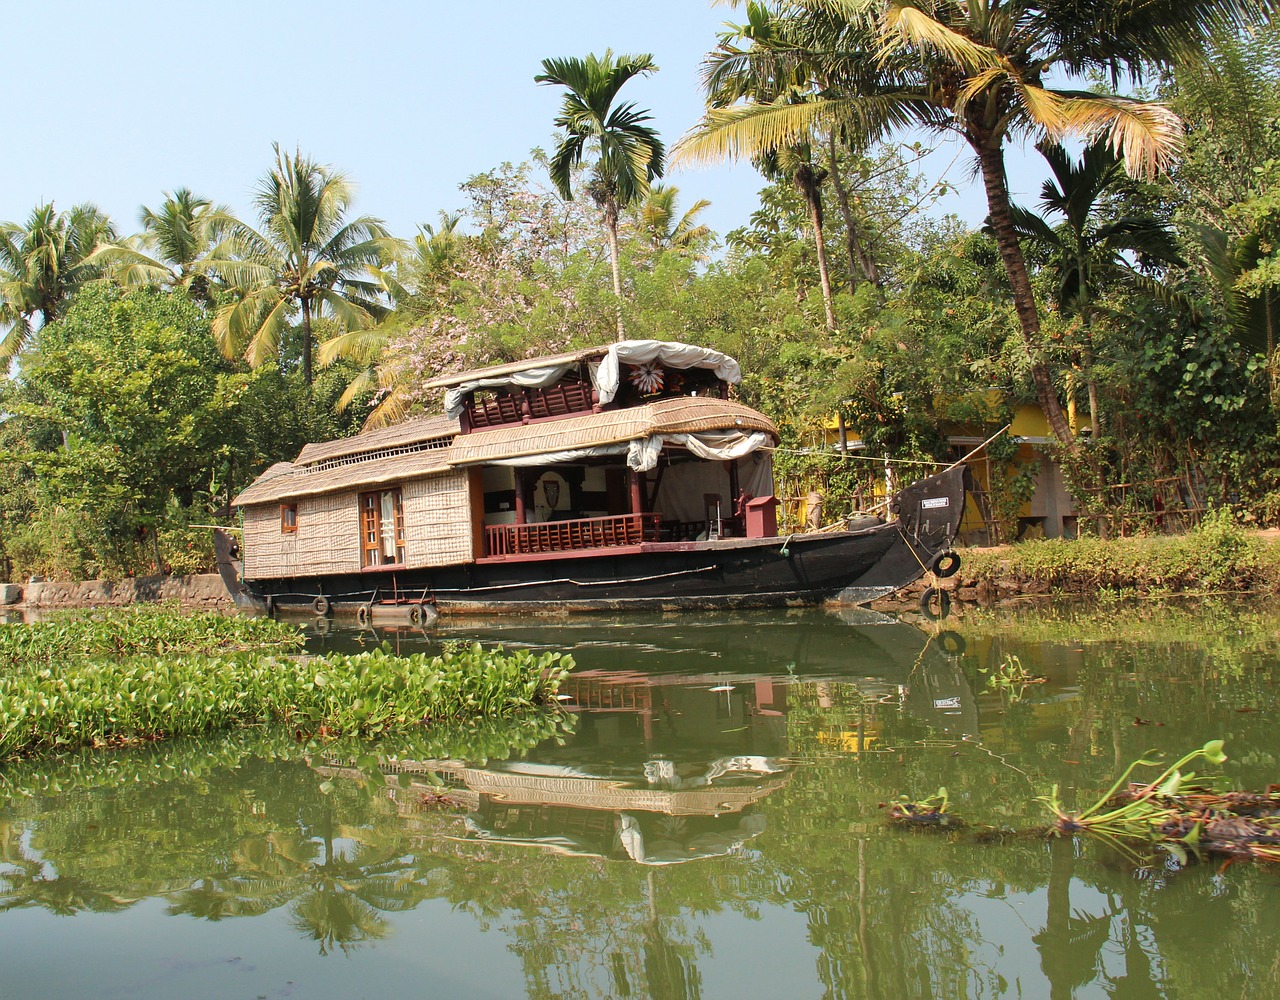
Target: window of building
{"type": "Point", "coordinates": [381, 528]}
{"type": "Point", "coordinates": [288, 518]}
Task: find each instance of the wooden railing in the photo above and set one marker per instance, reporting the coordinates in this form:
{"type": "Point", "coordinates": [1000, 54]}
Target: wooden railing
{"type": "Point", "coordinates": [567, 536]}
{"type": "Point", "coordinates": [522, 405]}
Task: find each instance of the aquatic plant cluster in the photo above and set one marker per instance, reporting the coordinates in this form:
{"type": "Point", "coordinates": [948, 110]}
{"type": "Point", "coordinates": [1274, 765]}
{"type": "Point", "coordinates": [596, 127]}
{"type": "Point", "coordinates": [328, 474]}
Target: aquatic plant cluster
{"type": "Point", "coordinates": [140, 630]}
{"type": "Point", "coordinates": [1181, 812]}
{"type": "Point", "coordinates": [85, 698]}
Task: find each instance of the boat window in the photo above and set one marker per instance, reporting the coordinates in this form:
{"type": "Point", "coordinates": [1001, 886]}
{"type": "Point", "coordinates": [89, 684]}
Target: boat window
{"type": "Point", "coordinates": [288, 518]}
{"type": "Point", "coordinates": [381, 528]}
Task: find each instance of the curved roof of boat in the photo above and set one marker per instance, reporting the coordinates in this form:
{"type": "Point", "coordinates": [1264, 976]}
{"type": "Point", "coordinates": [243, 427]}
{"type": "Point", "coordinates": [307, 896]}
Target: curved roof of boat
{"type": "Point", "coordinates": [678, 415]}
{"type": "Point", "coordinates": [425, 446]}
{"type": "Point", "coordinates": [408, 432]}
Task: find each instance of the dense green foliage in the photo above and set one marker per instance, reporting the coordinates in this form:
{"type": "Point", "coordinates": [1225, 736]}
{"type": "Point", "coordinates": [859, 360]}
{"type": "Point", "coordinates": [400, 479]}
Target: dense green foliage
{"type": "Point", "coordinates": [124, 676]}
{"type": "Point", "coordinates": [1145, 306]}
{"type": "Point", "coordinates": [140, 631]}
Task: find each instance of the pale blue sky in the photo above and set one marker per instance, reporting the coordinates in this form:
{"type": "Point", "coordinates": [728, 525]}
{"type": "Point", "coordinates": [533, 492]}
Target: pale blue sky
{"type": "Point", "coordinates": [118, 102]}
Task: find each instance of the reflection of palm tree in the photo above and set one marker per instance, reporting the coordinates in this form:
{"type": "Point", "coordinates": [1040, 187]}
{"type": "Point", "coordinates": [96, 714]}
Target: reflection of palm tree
{"type": "Point", "coordinates": [64, 895]}
{"type": "Point", "coordinates": [669, 968]}
{"type": "Point", "coordinates": [216, 898]}
{"type": "Point", "coordinates": [332, 916]}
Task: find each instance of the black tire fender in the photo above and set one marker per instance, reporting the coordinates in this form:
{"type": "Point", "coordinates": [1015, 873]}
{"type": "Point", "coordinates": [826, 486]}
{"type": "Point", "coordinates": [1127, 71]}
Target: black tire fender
{"type": "Point", "coordinates": [416, 614]}
{"type": "Point", "coordinates": [946, 564]}
{"type": "Point", "coordinates": [363, 615]}
{"type": "Point", "coordinates": [927, 600]}
{"type": "Point", "coordinates": [321, 605]}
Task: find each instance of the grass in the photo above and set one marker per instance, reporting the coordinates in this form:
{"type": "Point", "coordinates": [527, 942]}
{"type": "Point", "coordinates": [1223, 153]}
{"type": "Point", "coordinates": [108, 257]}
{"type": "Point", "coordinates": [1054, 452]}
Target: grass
{"type": "Point", "coordinates": [122, 678]}
{"type": "Point", "coordinates": [1218, 556]}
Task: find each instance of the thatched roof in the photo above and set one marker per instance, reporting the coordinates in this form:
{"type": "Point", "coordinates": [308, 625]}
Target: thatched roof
{"type": "Point", "coordinates": [680, 415]}
{"type": "Point", "coordinates": [399, 435]}
{"type": "Point", "coordinates": [416, 447]}
{"type": "Point", "coordinates": [284, 481]}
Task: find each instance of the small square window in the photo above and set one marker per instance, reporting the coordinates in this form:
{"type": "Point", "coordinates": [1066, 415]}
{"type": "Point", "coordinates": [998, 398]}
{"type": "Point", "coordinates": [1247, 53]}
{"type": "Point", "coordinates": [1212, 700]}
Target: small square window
{"type": "Point", "coordinates": [288, 517]}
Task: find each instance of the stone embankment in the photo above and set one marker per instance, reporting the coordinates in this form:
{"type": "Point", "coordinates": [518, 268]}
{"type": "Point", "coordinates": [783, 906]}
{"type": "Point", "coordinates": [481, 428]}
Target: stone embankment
{"type": "Point", "coordinates": [1005, 587]}
{"type": "Point", "coordinates": [204, 590]}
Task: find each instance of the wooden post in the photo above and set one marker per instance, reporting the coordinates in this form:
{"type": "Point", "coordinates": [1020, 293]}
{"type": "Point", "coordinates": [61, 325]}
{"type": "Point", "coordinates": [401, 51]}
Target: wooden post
{"type": "Point", "coordinates": [637, 492]}
{"type": "Point", "coordinates": [734, 493]}
{"type": "Point", "coordinates": [521, 512]}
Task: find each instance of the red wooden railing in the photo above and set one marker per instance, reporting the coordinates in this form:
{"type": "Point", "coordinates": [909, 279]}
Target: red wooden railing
{"type": "Point", "coordinates": [562, 400]}
{"type": "Point", "coordinates": [566, 536]}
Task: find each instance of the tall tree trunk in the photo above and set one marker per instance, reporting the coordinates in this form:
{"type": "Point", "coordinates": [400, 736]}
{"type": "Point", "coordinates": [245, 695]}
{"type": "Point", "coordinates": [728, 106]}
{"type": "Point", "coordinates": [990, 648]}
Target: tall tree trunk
{"type": "Point", "coordinates": [996, 183]}
{"type": "Point", "coordinates": [862, 267]}
{"type": "Point", "coordinates": [306, 342]}
{"type": "Point", "coordinates": [813, 199]}
{"type": "Point", "coordinates": [611, 224]}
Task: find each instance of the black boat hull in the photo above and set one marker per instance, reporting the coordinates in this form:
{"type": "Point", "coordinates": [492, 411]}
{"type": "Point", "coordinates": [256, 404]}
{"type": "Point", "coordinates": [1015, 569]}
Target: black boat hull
{"type": "Point", "coordinates": [849, 566]}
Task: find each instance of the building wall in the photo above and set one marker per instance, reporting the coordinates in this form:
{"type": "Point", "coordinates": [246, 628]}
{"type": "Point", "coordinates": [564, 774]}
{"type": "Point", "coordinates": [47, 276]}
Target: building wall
{"type": "Point", "coordinates": [437, 528]}
{"type": "Point", "coordinates": [437, 520]}
{"type": "Point", "coordinates": [327, 539]}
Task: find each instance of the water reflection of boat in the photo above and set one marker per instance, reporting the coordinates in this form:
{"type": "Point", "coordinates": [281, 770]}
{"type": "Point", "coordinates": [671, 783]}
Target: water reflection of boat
{"type": "Point", "coordinates": [682, 729]}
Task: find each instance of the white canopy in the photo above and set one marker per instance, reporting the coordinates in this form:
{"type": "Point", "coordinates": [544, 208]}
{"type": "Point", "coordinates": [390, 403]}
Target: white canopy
{"type": "Point", "coordinates": [674, 355]}
{"type": "Point", "coordinates": [642, 453]}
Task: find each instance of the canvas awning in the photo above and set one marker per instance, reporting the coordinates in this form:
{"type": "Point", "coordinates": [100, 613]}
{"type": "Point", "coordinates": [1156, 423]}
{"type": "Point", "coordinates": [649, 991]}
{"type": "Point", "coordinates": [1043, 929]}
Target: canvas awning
{"type": "Point", "coordinates": [539, 373]}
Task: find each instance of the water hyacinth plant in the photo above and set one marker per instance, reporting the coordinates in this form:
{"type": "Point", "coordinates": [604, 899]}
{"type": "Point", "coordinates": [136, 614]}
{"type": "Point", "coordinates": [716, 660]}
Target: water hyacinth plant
{"type": "Point", "coordinates": [138, 631]}
{"type": "Point", "coordinates": [81, 698]}
{"type": "Point", "coordinates": [1142, 809]}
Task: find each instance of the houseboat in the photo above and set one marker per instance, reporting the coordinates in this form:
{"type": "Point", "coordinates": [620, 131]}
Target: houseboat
{"type": "Point", "coordinates": [615, 478]}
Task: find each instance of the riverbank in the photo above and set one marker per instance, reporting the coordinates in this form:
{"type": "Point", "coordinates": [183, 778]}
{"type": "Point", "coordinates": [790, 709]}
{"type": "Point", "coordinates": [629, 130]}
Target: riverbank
{"type": "Point", "coordinates": [1218, 557]}
{"type": "Point", "coordinates": [200, 591]}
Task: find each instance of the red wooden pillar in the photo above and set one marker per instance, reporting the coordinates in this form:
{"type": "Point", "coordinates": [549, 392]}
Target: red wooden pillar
{"type": "Point", "coordinates": [637, 491]}
{"type": "Point", "coordinates": [522, 516]}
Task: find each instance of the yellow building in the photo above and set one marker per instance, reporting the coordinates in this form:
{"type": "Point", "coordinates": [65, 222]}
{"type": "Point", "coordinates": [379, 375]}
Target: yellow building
{"type": "Point", "coordinates": [1050, 511]}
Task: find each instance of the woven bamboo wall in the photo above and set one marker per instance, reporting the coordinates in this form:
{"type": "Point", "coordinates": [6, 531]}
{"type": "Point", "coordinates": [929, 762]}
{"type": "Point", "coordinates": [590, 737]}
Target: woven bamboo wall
{"type": "Point", "coordinates": [329, 534]}
{"type": "Point", "coordinates": [327, 539]}
{"type": "Point", "coordinates": [268, 552]}
{"type": "Point", "coordinates": [437, 520]}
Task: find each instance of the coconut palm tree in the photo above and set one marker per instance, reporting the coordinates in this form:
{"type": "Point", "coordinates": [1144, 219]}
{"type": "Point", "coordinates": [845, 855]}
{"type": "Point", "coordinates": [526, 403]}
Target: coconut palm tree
{"type": "Point", "coordinates": [307, 258]}
{"type": "Point", "coordinates": [629, 154]}
{"type": "Point", "coordinates": [1083, 250]}
{"type": "Point", "coordinates": [657, 215]}
{"type": "Point", "coordinates": [174, 246]}
{"type": "Point", "coordinates": [731, 79]}
{"type": "Point", "coordinates": [977, 69]}
{"type": "Point", "coordinates": [42, 262]}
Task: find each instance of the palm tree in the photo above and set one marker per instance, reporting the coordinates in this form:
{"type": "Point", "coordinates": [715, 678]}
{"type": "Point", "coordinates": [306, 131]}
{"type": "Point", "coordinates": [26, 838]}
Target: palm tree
{"type": "Point", "coordinates": [657, 214]}
{"type": "Point", "coordinates": [175, 243]}
{"type": "Point", "coordinates": [977, 69]}
{"type": "Point", "coordinates": [730, 79]}
{"type": "Point", "coordinates": [1084, 251]}
{"type": "Point", "coordinates": [42, 263]}
{"type": "Point", "coordinates": [306, 258]}
{"type": "Point", "coordinates": [629, 154]}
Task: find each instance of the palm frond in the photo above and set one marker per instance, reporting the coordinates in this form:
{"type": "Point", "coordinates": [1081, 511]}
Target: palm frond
{"type": "Point", "coordinates": [907, 25]}
{"type": "Point", "coordinates": [1146, 135]}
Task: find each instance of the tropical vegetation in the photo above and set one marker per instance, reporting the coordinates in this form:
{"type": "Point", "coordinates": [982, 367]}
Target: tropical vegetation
{"type": "Point", "coordinates": [95, 683]}
{"type": "Point", "coordinates": [1141, 290]}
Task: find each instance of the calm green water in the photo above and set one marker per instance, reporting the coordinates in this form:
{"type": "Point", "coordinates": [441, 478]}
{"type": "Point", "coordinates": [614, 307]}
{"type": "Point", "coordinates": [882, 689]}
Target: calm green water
{"type": "Point", "coordinates": [706, 823]}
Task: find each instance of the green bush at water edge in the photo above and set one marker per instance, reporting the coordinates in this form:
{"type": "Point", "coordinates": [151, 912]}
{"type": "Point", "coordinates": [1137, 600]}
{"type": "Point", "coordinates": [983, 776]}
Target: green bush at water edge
{"type": "Point", "coordinates": [1219, 555]}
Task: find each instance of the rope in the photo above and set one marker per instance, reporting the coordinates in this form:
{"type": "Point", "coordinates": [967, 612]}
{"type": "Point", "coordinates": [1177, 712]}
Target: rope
{"type": "Point", "coordinates": [842, 456]}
